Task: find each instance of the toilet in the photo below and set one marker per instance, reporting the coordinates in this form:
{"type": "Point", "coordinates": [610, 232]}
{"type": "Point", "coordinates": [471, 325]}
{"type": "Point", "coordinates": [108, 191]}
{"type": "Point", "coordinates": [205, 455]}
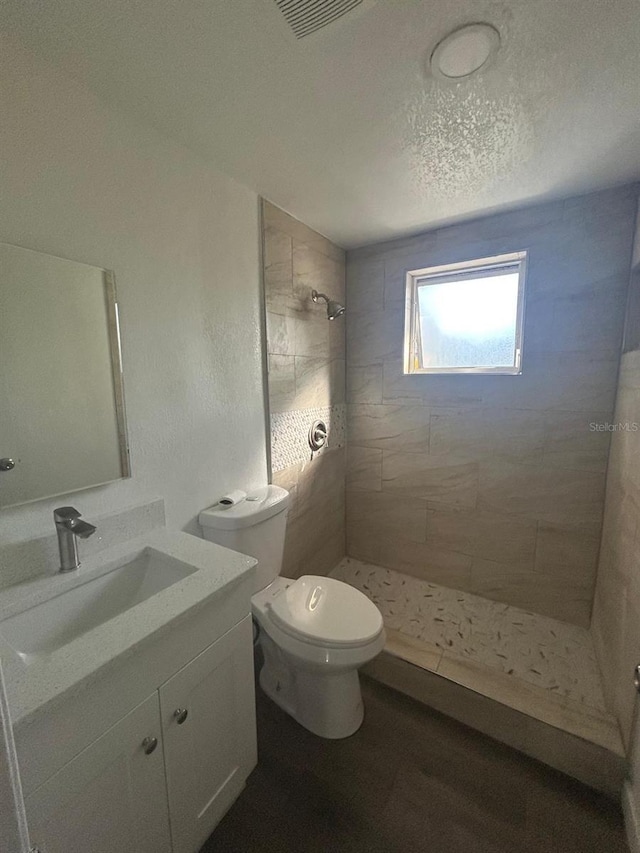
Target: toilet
{"type": "Point", "coordinates": [315, 632]}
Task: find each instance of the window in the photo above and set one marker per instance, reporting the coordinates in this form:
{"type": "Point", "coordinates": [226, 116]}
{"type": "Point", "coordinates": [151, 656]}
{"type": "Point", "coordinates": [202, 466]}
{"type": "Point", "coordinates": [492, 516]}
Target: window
{"type": "Point", "coordinates": [466, 317]}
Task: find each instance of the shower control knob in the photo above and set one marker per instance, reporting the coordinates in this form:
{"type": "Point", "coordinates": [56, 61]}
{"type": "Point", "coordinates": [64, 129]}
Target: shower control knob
{"type": "Point", "coordinates": [149, 745]}
{"type": "Point", "coordinates": [317, 435]}
{"type": "Point", "coordinates": [180, 715]}
{"type": "Point", "coordinates": [7, 464]}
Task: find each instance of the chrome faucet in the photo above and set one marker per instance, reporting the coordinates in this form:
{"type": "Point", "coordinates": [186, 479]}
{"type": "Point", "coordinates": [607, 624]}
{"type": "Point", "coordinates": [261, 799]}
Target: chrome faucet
{"type": "Point", "coordinates": [69, 526]}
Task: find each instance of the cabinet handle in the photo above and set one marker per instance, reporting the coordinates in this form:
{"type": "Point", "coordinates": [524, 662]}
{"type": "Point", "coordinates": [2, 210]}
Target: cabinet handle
{"type": "Point", "coordinates": [149, 745]}
{"type": "Point", "coordinates": [180, 715]}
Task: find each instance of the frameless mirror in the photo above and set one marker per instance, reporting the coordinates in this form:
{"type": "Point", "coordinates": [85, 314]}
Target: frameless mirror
{"type": "Point", "coordinates": [62, 418]}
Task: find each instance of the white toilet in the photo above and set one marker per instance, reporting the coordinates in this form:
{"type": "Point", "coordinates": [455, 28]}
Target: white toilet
{"type": "Point", "coordinates": [315, 632]}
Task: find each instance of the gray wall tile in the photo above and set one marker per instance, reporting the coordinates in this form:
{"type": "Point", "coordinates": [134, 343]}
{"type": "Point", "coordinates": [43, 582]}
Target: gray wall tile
{"type": "Point", "coordinates": [364, 468]}
{"type": "Point", "coordinates": [434, 479]}
{"type": "Point", "coordinates": [513, 476]}
{"type": "Point", "coordinates": [546, 494]}
{"type": "Point", "coordinates": [483, 534]}
{"type": "Point", "coordinates": [616, 610]}
{"type": "Point", "coordinates": [385, 514]}
{"type": "Point", "coordinates": [389, 427]}
{"type": "Point", "coordinates": [282, 383]}
{"type": "Point", "coordinates": [306, 381]}
{"type": "Point", "coordinates": [366, 285]}
{"type": "Point", "coordinates": [313, 382]}
{"type": "Point", "coordinates": [364, 384]}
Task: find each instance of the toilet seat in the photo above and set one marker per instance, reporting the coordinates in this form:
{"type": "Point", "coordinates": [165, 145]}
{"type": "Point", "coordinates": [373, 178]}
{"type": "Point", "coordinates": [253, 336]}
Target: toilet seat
{"type": "Point", "coordinates": [326, 612]}
{"type": "Point", "coordinates": [308, 676]}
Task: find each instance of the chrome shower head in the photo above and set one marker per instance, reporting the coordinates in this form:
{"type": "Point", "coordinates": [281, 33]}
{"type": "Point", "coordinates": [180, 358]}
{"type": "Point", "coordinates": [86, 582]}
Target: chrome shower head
{"type": "Point", "coordinates": [334, 309]}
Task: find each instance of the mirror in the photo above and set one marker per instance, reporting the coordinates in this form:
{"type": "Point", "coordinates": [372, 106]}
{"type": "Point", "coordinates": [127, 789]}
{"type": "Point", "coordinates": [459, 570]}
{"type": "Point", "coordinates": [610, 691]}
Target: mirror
{"type": "Point", "coordinates": [62, 418]}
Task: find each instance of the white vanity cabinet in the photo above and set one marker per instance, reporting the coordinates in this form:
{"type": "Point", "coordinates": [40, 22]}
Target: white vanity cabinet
{"type": "Point", "coordinates": [160, 779]}
{"type": "Point", "coordinates": [111, 797]}
{"type": "Point", "coordinates": [208, 720]}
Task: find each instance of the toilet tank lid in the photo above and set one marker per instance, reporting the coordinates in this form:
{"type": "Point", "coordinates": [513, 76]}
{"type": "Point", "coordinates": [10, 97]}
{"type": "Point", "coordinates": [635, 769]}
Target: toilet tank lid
{"type": "Point", "coordinates": [258, 506]}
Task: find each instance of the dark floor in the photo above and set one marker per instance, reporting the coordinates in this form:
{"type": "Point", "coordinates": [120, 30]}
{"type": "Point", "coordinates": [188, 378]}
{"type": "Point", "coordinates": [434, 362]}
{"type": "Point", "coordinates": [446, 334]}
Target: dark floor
{"type": "Point", "coordinates": [411, 780]}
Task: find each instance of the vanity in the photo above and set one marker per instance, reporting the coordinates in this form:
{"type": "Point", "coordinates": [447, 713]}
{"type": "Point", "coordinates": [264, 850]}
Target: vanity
{"type": "Point", "coordinates": [129, 677]}
{"type": "Point", "coordinates": [131, 689]}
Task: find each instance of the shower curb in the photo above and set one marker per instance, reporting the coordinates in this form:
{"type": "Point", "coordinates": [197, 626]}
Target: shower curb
{"type": "Point", "coordinates": [588, 762]}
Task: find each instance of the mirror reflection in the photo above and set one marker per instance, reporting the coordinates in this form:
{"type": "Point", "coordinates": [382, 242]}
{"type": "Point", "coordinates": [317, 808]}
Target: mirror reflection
{"type": "Point", "coordinates": [62, 420]}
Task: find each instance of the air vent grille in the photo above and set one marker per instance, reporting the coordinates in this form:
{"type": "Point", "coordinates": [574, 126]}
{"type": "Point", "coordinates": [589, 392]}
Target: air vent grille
{"type": "Point", "coordinates": [306, 16]}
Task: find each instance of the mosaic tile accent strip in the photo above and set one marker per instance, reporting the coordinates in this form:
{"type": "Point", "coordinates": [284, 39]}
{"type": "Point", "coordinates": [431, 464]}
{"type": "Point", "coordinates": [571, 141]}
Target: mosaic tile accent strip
{"type": "Point", "coordinates": [290, 433]}
{"type": "Point", "coordinates": [549, 654]}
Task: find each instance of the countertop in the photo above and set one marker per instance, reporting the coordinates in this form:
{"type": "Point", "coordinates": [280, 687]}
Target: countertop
{"type": "Point", "coordinates": [32, 688]}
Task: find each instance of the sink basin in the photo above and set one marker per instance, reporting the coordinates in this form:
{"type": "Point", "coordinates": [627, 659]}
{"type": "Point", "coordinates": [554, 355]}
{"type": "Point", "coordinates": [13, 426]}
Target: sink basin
{"type": "Point", "coordinates": [52, 624]}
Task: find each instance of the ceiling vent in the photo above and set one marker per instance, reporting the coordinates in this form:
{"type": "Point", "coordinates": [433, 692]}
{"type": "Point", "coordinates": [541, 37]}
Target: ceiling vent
{"type": "Point", "coordinates": [308, 16]}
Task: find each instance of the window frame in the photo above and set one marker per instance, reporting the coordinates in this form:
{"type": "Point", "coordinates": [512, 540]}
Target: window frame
{"type": "Point", "coordinates": [453, 272]}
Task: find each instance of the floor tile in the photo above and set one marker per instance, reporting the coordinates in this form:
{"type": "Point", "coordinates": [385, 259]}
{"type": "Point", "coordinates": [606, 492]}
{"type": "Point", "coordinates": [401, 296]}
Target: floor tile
{"type": "Point", "coordinates": [410, 780]}
{"type": "Point", "coordinates": [554, 656]}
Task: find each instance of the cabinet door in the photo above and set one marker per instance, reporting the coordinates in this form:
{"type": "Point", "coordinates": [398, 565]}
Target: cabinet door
{"type": "Point", "coordinates": [209, 729]}
{"type": "Point", "coordinates": [111, 798]}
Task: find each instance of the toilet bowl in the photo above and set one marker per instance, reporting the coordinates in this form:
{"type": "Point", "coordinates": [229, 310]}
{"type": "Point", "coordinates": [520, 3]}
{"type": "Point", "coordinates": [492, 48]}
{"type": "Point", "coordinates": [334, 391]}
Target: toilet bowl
{"type": "Point", "coordinates": [315, 632]}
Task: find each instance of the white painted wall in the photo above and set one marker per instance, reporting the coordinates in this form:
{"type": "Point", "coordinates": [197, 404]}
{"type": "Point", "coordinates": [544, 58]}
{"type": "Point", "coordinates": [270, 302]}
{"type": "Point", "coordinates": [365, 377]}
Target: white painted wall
{"type": "Point", "coordinates": [80, 180]}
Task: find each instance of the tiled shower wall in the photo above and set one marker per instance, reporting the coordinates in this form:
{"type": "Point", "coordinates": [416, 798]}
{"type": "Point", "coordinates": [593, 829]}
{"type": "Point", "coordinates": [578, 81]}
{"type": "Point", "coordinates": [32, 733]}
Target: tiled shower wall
{"type": "Point", "coordinates": [492, 484]}
{"type": "Point", "coordinates": [616, 611]}
{"type": "Point", "coordinates": [306, 379]}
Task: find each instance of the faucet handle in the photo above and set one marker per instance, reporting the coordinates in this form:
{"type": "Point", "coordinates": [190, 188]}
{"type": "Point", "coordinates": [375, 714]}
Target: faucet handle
{"type": "Point", "coordinates": [66, 513]}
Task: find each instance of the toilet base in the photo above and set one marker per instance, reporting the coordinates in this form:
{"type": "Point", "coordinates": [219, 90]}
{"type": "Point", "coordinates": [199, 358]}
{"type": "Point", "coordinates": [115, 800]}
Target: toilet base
{"type": "Point", "coordinates": [327, 704]}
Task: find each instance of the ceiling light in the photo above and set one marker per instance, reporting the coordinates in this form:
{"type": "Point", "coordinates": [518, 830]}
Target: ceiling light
{"type": "Point", "coordinates": [465, 51]}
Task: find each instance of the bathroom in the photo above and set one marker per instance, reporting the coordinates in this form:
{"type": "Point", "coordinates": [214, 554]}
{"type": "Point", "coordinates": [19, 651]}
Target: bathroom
{"type": "Point", "coordinates": [222, 167]}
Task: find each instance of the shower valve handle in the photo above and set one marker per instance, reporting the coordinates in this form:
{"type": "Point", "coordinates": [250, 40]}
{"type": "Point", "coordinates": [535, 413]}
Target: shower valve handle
{"type": "Point", "coordinates": [317, 435]}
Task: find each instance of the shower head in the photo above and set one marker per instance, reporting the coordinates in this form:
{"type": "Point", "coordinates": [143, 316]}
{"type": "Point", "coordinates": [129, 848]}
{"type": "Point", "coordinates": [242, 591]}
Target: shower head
{"type": "Point", "coordinates": [334, 309]}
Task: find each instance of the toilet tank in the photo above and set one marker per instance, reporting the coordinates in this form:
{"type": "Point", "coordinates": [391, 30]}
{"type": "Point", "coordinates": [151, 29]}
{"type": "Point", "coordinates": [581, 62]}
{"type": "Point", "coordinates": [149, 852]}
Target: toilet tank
{"type": "Point", "coordinates": [256, 526]}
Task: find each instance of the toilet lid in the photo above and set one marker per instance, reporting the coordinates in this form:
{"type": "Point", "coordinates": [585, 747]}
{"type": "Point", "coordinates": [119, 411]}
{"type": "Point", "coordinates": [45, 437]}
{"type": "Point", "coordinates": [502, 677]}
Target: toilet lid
{"type": "Point", "coordinates": [325, 610]}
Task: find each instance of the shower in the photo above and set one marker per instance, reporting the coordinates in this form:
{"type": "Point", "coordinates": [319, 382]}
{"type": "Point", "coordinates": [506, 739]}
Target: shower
{"type": "Point", "coordinates": [334, 309]}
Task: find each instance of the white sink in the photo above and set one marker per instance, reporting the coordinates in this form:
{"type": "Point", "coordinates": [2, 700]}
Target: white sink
{"type": "Point", "coordinates": [52, 624]}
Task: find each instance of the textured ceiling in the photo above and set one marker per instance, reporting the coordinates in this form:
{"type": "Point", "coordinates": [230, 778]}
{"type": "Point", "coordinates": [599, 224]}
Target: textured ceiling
{"type": "Point", "coordinates": [344, 129]}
